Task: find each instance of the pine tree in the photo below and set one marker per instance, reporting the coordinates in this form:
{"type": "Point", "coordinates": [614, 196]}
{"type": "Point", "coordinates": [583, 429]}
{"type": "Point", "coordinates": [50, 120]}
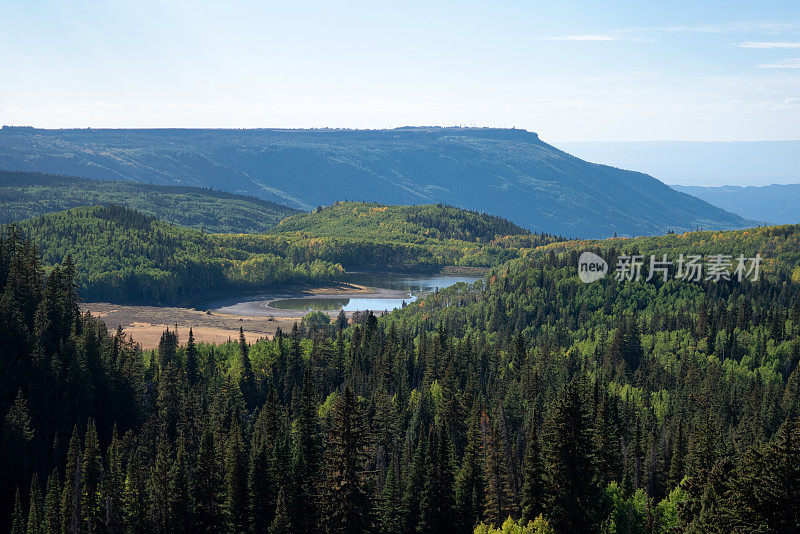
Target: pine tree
{"type": "Point", "coordinates": [180, 513]}
{"type": "Point", "coordinates": [205, 488]}
{"type": "Point", "coordinates": [92, 503]}
{"type": "Point", "coordinates": [281, 524]}
{"type": "Point", "coordinates": [18, 520]}
{"type": "Point", "coordinates": [16, 446]}
{"type": "Point", "coordinates": [305, 463]}
{"type": "Point", "coordinates": [34, 523]}
{"type": "Point", "coordinates": [167, 348]}
{"type": "Point", "coordinates": [782, 488]}
{"type": "Point", "coordinates": [570, 462]}
{"type": "Point", "coordinates": [71, 495]}
{"type": "Point", "coordinates": [742, 508]}
{"type": "Point", "coordinates": [606, 439]}
{"type": "Point", "coordinates": [134, 501]}
{"type": "Point", "coordinates": [264, 474]}
{"type": "Point", "coordinates": [436, 502]}
{"type": "Point", "coordinates": [160, 483]}
{"type": "Point", "coordinates": [261, 486]}
{"type": "Point", "coordinates": [678, 458]}
{"type": "Point", "coordinates": [191, 360]}
{"type": "Point", "coordinates": [413, 489]}
{"type": "Point", "coordinates": [247, 381]}
{"type": "Point", "coordinates": [469, 485]}
{"type": "Point", "coordinates": [236, 501]}
{"type": "Point", "coordinates": [210, 372]}
{"type": "Point", "coordinates": [113, 484]}
{"type": "Point", "coordinates": [533, 488]}
{"type": "Point", "coordinates": [169, 398]}
{"type": "Point", "coordinates": [498, 505]}
{"type": "Point", "coordinates": [390, 513]}
{"type": "Point", "coordinates": [52, 515]}
{"type": "Point", "coordinates": [348, 506]}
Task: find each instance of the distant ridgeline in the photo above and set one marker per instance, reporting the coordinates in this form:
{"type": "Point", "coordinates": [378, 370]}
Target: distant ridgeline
{"type": "Point", "coordinates": [123, 255]}
{"type": "Point", "coordinates": [510, 173]}
{"type": "Point", "coordinates": [776, 204]}
{"type": "Point", "coordinates": [24, 195]}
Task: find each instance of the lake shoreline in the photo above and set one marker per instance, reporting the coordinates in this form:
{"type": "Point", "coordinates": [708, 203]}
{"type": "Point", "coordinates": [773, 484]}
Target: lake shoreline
{"type": "Point", "coordinates": [259, 305]}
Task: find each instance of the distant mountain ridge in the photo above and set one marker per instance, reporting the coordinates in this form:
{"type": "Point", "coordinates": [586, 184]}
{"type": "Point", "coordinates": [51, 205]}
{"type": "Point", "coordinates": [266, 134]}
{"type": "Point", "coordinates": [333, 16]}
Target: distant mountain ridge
{"type": "Point", "coordinates": [510, 173]}
{"type": "Point", "coordinates": [705, 163]}
{"type": "Point", "coordinates": [774, 204]}
{"type": "Point", "coordinates": [25, 195]}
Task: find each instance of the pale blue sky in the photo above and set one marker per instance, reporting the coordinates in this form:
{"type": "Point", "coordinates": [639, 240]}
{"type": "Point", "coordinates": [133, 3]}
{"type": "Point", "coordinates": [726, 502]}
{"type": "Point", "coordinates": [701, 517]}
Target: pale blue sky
{"type": "Point", "coordinates": [718, 70]}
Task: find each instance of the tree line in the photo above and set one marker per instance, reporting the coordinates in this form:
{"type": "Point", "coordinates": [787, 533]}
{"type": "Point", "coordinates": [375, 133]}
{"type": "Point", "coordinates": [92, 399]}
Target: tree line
{"type": "Point", "coordinates": [528, 399]}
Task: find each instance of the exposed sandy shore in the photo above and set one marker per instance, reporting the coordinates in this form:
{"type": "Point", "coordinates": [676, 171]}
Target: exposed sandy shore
{"type": "Point", "coordinates": [220, 319]}
{"type": "Point", "coordinates": [146, 323]}
{"type": "Point", "coordinates": [224, 317]}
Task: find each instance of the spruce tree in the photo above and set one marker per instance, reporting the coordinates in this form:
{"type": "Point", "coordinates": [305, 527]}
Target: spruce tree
{"type": "Point", "coordinates": [92, 503]}
{"type": "Point", "coordinates": [469, 484]}
{"type": "Point", "coordinates": [281, 524]}
{"type": "Point", "coordinates": [180, 513]}
{"type": "Point", "coordinates": [782, 484]}
{"type": "Point", "coordinates": [574, 495]}
{"type": "Point", "coordinates": [160, 483]}
{"type": "Point", "coordinates": [415, 480]}
{"type": "Point", "coordinates": [191, 360]}
{"type": "Point", "coordinates": [236, 496]}
{"type": "Point", "coordinates": [348, 506]}
{"type": "Point", "coordinates": [499, 502]}
{"type": "Point", "coordinates": [52, 505]}
{"type": "Point", "coordinates": [247, 380]}
{"type": "Point", "coordinates": [305, 461]}
{"type": "Point", "coordinates": [134, 501]}
{"type": "Point", "coordinates": [390, 513]}
{"type": "Point", "coordinates": [71, 495]}
{"type": "Point", "coordinates": [206, 510]}
{"type": "Point", "coordinates": [113, 484]}
{"type": "Point", "coordinates": [18, 519]}
{"type": "Point", "coordinates": [533, 486]}
{"type": "Point", "coordinates": [436, 502]}
{"type": "Point", "coordinates": [677, 458]}
{"type": "Point", "coordinates": [261, 487]}
{"type": "Point", "coordinates": [34, 523]}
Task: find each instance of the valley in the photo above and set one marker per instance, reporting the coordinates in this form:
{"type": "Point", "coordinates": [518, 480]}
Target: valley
{"type": "Point", "coordinates": [321, 268]}
{"type": "Point", "coordinates": [219, 320]}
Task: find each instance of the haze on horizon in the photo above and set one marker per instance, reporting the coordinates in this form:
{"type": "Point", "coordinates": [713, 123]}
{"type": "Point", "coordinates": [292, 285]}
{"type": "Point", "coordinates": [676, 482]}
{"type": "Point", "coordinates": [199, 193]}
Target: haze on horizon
{"type": "Point", "coordinates": [578, 71]}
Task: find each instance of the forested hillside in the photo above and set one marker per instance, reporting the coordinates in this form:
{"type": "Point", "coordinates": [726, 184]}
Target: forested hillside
{"type": "Point", "coordinates": [122, 255]}
{"type": "Point", "coordinates": [24, 195]}
{"type": "Point", "coordinates": [779, 247]}
{"type": "Point", "coordinates": [510, 173]}
{"type": "Point", "coordinates": [624, 407]}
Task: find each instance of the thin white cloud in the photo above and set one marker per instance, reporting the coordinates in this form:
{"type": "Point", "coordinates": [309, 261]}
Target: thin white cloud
{"type": "Point", "coordinates": [645, 34]}
{"type": "Point", "coordinates": [585, 37]}
{"type": "Point", "coordinates": [785, 64]}
{"type": "Point", "coordinates": [768, 45]}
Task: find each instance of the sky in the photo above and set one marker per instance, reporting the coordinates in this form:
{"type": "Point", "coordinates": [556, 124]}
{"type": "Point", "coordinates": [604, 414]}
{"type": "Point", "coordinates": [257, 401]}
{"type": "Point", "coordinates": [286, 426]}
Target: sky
{"type": "Point", "coordinates": [717, 70]}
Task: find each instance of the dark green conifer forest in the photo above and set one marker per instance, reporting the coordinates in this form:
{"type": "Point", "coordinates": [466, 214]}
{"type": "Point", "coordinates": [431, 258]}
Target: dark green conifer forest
{"type": "Point", "coordinates": [615, 407]}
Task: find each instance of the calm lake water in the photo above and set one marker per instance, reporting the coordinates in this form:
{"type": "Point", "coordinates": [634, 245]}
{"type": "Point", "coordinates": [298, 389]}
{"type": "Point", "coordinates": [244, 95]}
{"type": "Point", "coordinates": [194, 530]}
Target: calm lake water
{"type": "Point", "coordinates": [335, 304]}
{"type": "Point", "coordinates": [410, 284]}
{"type": "Point", "coordinates": [413, 283]}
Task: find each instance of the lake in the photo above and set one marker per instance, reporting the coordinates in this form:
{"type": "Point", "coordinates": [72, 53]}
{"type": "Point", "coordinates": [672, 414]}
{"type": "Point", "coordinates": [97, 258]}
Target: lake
{"type": "Point", "coordinates": [392, 291]}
